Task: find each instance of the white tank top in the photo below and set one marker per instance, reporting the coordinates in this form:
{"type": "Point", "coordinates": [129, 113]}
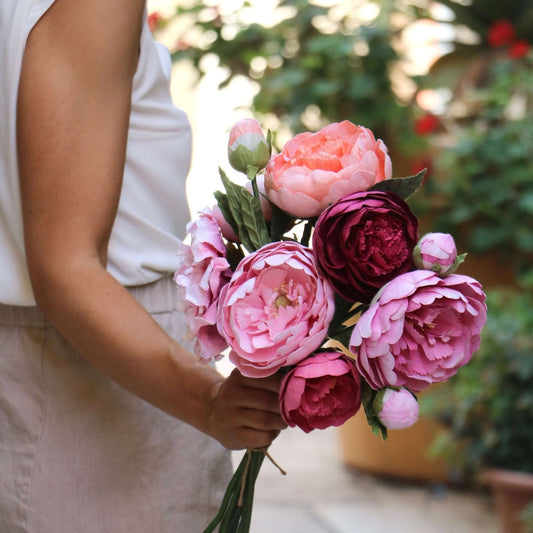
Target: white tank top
{"type": "Point", "coordinates": [152, 211]}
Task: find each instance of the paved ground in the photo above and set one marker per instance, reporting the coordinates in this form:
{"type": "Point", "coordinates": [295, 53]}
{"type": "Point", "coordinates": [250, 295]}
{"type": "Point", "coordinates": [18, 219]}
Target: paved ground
{"type": "Point", "coordinates": [320, 494]}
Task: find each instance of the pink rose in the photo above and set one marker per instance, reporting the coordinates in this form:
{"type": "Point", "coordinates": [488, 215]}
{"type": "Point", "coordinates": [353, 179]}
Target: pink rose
{"type": "Point", "coordinates": [315, 170]}
{"type": "Point", "coordinates": [202, 272]}
{"type": "Point", "coordinates": [420, 331]}
{"type": "Point", "coordinates": [247, 146]}
{"type": "Point", "coordinates": [363, 241]}
{"type": "Point", "coordinates": [275, 310]}
{"type": "Point", "coordinates": [396, 409]}
{"type": "Point", "coordinates": [437, 252]}
{"type": "Point", "coordinates": [322, 390]}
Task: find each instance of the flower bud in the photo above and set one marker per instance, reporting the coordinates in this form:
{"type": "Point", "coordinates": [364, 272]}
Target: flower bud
{"type": "Point", "coordinates": [247, 146]}
{"type": "Point", "coordinates": [396, 408]}
{"type": "Point", "coordinates": [436, 252]}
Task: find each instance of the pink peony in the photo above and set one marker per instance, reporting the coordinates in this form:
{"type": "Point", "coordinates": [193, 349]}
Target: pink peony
{"type": "Point", "coordinates": [225, 228]}
{"type": "Point", "coordinates": [315, 170]}
{"type": "Point", "coordinates": [202, 272]}
{"type": "Point", "coordinates": [420, 331]}
{"type": "Point", "coordinates": [247, 146]}
{"type": "Point", "coordinates": [437, 252]}
{"type": "Point", "coordinates": [322, 390]}
{"type": "Point", "coordinates": [275, 310]}
{"type": "Point", "coordinates": [396, 409]}
{"type": "Point", "coordinates": [363, 241]}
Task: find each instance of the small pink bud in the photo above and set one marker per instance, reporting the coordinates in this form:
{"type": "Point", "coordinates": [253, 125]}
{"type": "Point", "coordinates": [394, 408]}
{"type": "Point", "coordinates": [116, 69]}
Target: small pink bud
{"type": "Point", "coordinates": [247, 146]}
{"type": "Point", "coordinates": [396, 409]}
{"type": "Point", "coordinates": [436, 252]}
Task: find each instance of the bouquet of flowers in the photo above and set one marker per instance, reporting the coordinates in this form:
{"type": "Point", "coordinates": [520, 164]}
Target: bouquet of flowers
{"type": "Point", "coordinates": [315, 269]}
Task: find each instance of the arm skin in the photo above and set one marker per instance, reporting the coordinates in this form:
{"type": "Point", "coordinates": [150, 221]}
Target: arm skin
{"type": "Point", "coordinates": [73, 113]}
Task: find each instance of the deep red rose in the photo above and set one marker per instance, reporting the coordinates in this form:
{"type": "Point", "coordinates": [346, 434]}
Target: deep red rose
{"type": "Point", "coordinates": [363, 241]}
{"type": "Point", "coordinates": [519, 48]}
{"type": "Point", "coordinates": [321, 391]}
{"type": "Point", "coordinates": [501, 33]}
{"type": "Point", "coordinates": [426, 125]}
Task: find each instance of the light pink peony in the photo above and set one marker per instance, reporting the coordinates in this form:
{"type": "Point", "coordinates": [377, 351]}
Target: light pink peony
{"type": "Point", "coordinates": [275, 310]}
{"type": "Point", "coordinates": [321, 391]}
{"type": "Point", "coordinates": [202, 272]}
{"type": "Point", "coordinates": [315, 170]}
{"type": "Point", "coordinates": [225, 228]}
{"type": "Point", "coordinates": [396, 409]}
{"type": "Point", "coordinates": [420, 331]}
{"type": "Point", "coordinates": [437, 252]}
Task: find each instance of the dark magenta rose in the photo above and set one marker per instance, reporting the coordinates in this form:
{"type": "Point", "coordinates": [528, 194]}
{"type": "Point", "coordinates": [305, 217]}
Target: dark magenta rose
{"type": "Point", "coordinates": [364, 241]}
{"type": "Point", "coordinates": [321, 391]}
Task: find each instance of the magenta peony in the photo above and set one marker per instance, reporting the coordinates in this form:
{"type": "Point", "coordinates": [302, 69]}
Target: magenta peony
{"type": "Point", "coordinates": [420, 331]}
{"type": "Point", "coordinates": [396, 408]}
{"type": "Point", "coordinates": [322, 390]}
{"type": "Point", "coordinates": [203, 270]}
{"type": "Point", "coordinates": [315, 170]}
{"type": "Point", "coordinates": [437, 252]}
{"type": "Point", "coordinates": [363, 241]}
{"type": "Point", "coordinates": [275, 310]}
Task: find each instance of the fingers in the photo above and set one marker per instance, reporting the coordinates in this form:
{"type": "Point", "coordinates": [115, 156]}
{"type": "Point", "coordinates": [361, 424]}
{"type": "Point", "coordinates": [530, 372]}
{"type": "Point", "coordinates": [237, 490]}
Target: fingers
{"type": "Point", "coordinates": [246, 411]}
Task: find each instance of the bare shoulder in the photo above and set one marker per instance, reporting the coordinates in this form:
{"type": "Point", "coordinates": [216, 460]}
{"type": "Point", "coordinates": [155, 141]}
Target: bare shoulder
{"type": "Point", "coordinates": [101, 34]}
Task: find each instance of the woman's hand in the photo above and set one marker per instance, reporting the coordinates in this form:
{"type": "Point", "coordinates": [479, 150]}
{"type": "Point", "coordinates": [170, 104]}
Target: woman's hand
{"type": "Point", "coordinates": [245, 412]}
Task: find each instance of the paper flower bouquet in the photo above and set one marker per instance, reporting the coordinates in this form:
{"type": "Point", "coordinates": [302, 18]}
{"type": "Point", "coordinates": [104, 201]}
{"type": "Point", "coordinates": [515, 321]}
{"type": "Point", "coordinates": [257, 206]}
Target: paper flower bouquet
{"type": "Point", "coordinates": [315, 269]}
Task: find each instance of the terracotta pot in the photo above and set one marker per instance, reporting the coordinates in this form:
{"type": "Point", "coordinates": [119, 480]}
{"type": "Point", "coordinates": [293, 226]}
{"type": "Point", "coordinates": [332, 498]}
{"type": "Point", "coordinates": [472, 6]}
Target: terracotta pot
{"type": "Point", "coordinates": [512, 492]}
{"type": "Point", "coordinates": [404, 455]}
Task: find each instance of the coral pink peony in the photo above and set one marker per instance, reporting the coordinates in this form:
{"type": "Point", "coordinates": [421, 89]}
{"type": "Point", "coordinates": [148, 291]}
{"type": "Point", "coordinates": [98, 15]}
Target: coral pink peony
{"type": "Point", "coordinates": [275, 310]}
{"type": "Point", "coordinates": [437, 252]}
{"type": "Point", "coordinates": [322, 390]}
{"type": "Point", "coordinates": [202, 272]}
{"type": "Point", "coordinates": [315, 170]}
{"type": "Point", "coordinates": [363, 241]}
{"type": "Point", "coordinates": [420, 331]}
{"type": "Point", "coordinates": [396, 409]}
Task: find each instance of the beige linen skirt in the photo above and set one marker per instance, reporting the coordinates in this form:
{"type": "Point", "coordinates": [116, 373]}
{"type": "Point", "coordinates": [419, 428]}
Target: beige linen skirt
{"type": "Point", "coordinates": [79, 454]}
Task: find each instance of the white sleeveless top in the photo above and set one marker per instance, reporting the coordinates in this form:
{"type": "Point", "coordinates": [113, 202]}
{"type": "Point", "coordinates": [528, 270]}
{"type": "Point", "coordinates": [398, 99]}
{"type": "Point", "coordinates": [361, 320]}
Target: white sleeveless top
{"type": "Point", "coordinates": [152, 211]}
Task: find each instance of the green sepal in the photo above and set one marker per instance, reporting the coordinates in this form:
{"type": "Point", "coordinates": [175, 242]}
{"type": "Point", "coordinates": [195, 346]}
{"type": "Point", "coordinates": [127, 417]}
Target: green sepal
{"type": "Point", "coordinates": [368, 395]}
{"type": "Point", "coordinates": [458, 260]}
{"type": "Point", "coordinates": [402, 187]}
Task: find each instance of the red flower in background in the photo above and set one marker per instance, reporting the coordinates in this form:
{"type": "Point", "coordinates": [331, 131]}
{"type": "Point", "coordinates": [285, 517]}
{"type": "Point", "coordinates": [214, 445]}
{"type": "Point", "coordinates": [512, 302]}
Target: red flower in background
{"type": "Point", "coordinates": [501, 33]}
{"type": "Point", "coordinates": [519, 48]}
{"type": "Point", "coordinates": [426, 125]}
{"type": "Point", "coordinates": [154, 20]}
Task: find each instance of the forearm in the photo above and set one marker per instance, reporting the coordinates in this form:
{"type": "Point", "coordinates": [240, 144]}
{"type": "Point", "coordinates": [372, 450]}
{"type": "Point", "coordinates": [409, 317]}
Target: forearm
{"type": "Point", "coordinates": [100, 319]}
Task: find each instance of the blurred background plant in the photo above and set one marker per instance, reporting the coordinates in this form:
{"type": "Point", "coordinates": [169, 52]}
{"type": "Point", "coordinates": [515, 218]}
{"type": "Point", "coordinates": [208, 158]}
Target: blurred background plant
{"type": "Point", "coordinates": [482, 190]}
{"type": "Point", "coordinates": [313, 63]}
{"type": "Point", "coordinates": [487, 408]}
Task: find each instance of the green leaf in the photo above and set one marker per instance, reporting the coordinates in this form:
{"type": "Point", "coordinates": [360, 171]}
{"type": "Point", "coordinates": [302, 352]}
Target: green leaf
{"type": "Point", "coordinates": [367, 399]}
{"type": "Point", "coordinates": [246, 211]}
{"type": "Point", "coordinates": [403, 187]}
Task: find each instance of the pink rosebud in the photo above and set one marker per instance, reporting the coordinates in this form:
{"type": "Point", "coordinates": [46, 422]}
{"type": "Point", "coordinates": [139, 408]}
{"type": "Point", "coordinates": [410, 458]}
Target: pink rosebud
{"type": "Point", "coordinates": [276, 309]}
{"type": "Point", "coordinates": [227, 230]}
{"type": "Point", "coordinates": [420, 331]}
{"type": "Point", "coordinates": [396, 409]}
{"type": "Point", "coordinates": [247, 146]}
{"type": "Point", "coordinates": [203, 270]}
{"type": "Point", "coordinates": [315, 170]}
{"type": "Point", "coordinates": [363, 241]}
{"type": "Point", "coordinates": [322, 390]}
{"type": "Point", "coordinates": [437, 252]}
